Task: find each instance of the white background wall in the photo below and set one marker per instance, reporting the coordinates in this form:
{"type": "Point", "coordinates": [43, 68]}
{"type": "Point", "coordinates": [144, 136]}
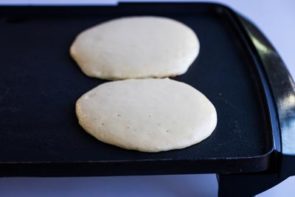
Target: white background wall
{"type": "Point", "coordinates": [275, 18]}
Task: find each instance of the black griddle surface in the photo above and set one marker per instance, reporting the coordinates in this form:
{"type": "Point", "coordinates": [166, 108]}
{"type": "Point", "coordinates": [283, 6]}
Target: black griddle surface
{"type": "Point", "coordinates": [40, 83]}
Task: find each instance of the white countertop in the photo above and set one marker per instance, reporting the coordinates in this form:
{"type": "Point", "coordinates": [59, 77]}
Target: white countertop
{"type": "Point", "coordinates": [275, 18]}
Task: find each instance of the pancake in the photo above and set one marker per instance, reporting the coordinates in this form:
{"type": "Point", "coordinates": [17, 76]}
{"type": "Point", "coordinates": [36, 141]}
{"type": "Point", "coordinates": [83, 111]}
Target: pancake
{"type": "Point", "coordinates": [135, 47]}
{"type": "Point", "coordinates": [148, 115]}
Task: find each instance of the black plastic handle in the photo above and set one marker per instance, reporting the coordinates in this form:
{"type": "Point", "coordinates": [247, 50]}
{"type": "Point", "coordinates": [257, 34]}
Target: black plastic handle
{"type": "Point", "coordinates": [283, 91]}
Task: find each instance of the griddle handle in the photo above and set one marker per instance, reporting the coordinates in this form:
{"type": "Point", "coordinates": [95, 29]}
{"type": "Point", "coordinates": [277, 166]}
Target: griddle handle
{"type": "Point", "coordinates": [283, 91]}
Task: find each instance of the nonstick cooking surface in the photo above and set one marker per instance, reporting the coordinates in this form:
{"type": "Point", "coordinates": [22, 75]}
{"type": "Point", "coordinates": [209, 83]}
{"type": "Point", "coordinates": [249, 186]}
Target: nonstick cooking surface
{"type": "Point", "coordinates": [40, 83]}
